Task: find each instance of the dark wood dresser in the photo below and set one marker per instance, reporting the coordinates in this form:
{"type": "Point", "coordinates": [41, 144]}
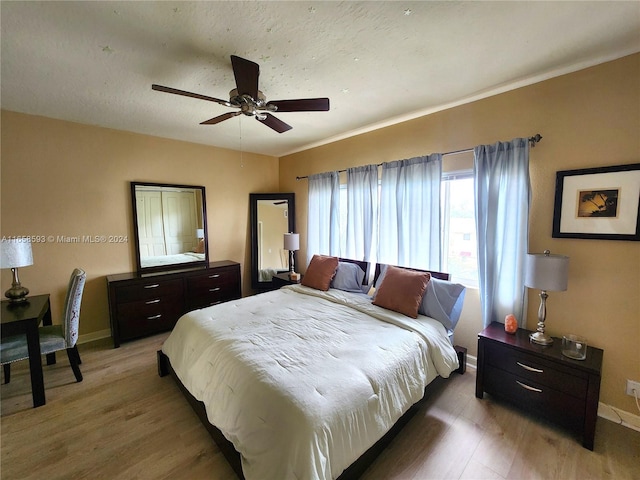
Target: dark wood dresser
{"type": "Point", "coordinates": [141, 305]}
{"type": "Point", "coordinates": [539, 379]}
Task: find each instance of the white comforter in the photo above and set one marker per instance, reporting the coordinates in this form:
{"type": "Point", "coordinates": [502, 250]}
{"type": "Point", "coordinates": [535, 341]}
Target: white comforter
{"type": "Point", "coordinates": [303, 382]}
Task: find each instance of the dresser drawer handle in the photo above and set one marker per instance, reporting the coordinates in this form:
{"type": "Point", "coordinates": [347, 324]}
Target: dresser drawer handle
{"type": "Point", "coordinates": [155, 285]}
{"type": "Point", "coordinates": [154, 317]}
{"type": "Point", "coordinates": [214, 289]}
{"type": "Point", "coordinates": [531, 369]}
{"type": "Point", "coordinates": [215, 303]}
{"type": "Point", "coordinates": [527, 387]}
{"type": "Point", "coordinates": [214, 276]}
{"type": "Point", "coordinates": [157, 300]}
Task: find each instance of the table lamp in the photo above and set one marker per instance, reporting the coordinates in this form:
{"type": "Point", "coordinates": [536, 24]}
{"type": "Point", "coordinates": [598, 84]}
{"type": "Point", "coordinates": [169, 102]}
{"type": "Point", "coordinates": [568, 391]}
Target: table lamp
{"type": "Point", "coordinates": [16, 253]}
{"type": "Point", "coordinates": [291, 243]}
{"type": "Point", "coordinates": [545, 272]}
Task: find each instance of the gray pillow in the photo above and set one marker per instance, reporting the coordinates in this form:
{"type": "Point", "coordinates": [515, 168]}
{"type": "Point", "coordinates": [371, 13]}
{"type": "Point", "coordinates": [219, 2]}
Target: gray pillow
{"type": "Point", "coordinates": [348, 277]}
{"type": "Point", "coordinates": [443, 301]}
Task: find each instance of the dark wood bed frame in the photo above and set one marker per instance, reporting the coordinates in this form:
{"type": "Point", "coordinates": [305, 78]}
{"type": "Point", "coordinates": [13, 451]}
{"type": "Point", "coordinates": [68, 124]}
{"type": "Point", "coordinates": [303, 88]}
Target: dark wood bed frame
{"type": "Point", "coordinates": [357, 468]}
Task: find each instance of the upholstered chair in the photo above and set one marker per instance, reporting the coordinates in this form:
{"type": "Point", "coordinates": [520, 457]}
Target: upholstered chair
{"type": "Point", "coordinates": [53, 338]}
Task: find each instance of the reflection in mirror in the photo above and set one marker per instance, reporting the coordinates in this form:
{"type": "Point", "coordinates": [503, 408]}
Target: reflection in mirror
{"type": "Point", "coordinates": [272, 215]}
{"type": "Point", "coordinates": [170, 226]}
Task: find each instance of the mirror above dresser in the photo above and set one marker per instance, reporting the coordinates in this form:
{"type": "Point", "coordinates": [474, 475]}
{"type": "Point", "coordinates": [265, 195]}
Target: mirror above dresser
{"type": "Point", "coordinates": [170, 226]}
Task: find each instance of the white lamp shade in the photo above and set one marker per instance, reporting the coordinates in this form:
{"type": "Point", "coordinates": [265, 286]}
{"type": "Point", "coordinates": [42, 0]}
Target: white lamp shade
{"type": "Point", "coordinates": [292, 241]}
{"type": "Point", "coordinates": [547, 272]}
{"type": "Point", "coordinates": [16, 253]}
{"type": "Point", "coordinates": [200, 233]}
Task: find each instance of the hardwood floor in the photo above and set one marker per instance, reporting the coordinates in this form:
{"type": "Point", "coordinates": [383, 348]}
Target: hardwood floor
{"type": "Point", "coordinates": [125, 422]}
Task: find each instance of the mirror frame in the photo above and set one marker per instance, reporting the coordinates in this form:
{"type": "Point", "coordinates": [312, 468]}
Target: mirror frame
{"type": "Point", "coordinates": [291, 216]}
{"type": "Point", "coordinates": [174, 266]}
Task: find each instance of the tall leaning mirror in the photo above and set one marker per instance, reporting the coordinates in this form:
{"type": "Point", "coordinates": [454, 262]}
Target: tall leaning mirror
{"type": "Point", "coordinates": [272, 215]}
{"type": "Point", "coordinates": [170, 226]}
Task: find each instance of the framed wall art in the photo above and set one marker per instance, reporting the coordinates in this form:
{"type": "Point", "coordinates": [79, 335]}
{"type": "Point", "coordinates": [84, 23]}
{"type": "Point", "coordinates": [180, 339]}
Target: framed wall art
{"type": "Point", "coordinates": [598, 203]}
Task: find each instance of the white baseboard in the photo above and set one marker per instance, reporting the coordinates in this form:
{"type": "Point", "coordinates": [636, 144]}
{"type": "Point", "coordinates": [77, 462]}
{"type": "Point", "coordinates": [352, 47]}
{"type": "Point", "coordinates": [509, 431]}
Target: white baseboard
{"type": "Point", "coordinates": [92, 337]}
{"type": "Point", "coordinates": [605, 411]}
{"type": "Point", "coordinates": [472, 362]}
{"type": "Point", "coordinates": [621, 417]}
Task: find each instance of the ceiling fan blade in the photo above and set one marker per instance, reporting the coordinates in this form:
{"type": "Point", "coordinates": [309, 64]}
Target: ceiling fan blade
{"type": "Point", "coordinates": [175, 91]}
{"type": "Point", "coordinates": [275, 123]}
{"type": "Point", "coordinates": [220, 118]}
{"type": "Point", "coordinates": [302, 105]}
{"type": "Point", "coordinates": [246, 73]}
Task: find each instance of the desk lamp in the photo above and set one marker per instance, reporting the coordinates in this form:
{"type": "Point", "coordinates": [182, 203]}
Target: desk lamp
{"type": "Point", "coordinates": [16, 253]}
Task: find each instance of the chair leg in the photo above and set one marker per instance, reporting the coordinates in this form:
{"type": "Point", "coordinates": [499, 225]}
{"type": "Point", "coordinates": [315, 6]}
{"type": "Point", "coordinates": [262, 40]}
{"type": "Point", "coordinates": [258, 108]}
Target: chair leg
{"type": "Point", "coordinates": [74, 358]}
{"type": "Point", "coordinates": [7, 372]}
{"type": "Point", "coordinates": [51, 358]}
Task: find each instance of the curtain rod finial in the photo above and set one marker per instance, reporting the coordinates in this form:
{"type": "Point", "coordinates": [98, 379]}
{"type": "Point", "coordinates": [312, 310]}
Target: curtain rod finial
{"type": "Point", "coordinates": [535, 139]}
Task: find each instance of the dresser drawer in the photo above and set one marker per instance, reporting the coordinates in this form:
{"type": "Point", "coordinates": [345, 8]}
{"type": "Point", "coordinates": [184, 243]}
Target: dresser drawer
{"type": "Point", "coordinates": [215, 287]}
{"type": "Point", "coordinates": [538, 398]}
{"type": "Point", "coordinates": [150, 307]}
{"type": "Point", "coordinates": [151, 289]}
{"type": "Point", "coordinates": [534, 369]}
{"type": "Point", "coordinates": [214, 281]}
{"type": "Point", "coordinates": [136, 319]}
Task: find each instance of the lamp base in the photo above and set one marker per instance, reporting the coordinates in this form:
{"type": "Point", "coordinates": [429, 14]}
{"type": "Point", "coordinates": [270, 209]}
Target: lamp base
{"type": "Point", "coordinates": [17, 294]}
{"type": "Point", "coordinates": [541, 338]}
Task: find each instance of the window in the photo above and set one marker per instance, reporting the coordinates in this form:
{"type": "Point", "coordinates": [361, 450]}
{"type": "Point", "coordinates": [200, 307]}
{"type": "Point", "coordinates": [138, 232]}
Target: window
{"type": "Point", "coordinates": [459, 252]}
{"type": "Point", "coordinates": [459, 255]}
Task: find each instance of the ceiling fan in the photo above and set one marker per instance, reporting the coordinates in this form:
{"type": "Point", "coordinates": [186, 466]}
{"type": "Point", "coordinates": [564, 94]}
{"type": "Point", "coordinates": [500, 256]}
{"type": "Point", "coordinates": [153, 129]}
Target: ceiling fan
{"type": "Point", "coordinates": [252, 101]}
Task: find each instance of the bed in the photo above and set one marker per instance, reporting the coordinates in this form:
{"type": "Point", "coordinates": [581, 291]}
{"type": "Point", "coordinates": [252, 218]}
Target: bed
{"type": "Point", "coordinates": [301, 382]}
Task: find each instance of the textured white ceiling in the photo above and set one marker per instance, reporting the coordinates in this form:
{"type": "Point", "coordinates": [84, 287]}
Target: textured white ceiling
{"type": "Point", "coordinates": [378, 62]}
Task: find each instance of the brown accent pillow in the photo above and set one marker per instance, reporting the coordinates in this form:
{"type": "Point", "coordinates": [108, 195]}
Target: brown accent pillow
{"type": "Point", "coordinates": [402, 290]}
{"type": "Point", "coordinates": [320, 271]}
{"type": "Point", "coordinates": [200, 247]}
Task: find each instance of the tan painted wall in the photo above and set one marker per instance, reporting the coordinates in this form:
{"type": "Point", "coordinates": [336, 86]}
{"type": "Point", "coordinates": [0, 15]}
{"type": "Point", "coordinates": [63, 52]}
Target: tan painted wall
{"type": "Point", "coordinates": [590, 118]}
{"type": "Point", "coordinates": [67, 179]}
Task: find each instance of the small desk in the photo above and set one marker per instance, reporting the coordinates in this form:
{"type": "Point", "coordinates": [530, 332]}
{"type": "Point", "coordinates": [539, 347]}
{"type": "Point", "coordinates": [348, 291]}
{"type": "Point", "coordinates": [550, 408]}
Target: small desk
{"type": "Point", "coordinates": [25, 318]}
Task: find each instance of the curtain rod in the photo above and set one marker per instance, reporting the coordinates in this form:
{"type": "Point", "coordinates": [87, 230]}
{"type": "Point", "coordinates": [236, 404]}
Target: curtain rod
{"type": "Point", "coordinates": [532, 140]}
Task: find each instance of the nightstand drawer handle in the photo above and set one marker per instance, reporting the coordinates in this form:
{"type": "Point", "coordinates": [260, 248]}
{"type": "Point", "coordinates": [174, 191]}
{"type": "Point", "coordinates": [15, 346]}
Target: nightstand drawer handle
{"type": "Point", "coordinates": [531, 369]}
{"type": "Point", "coordinates": [214, 289]}
{"type": "Point", "coordinates": [214, 276]}
{"type": "Point", "coordinates": [155, 317]}
{"type": "Point", "coordinates": [157, 300]}
{"type": "Point", "coordinates": [529, 387]}
{"type": "Point", "coordinates": [155, 285]}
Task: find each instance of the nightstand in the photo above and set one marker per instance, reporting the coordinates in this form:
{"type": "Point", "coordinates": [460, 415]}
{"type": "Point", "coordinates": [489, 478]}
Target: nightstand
{"type": "Point", "coordinates": [539, 379]}
{"type": "Point", "coordinates": [282, 279]}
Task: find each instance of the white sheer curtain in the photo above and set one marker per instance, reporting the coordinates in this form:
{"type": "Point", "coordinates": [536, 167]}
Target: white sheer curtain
{"type": "Point", "coordinates": [503, 194]}
{"type": "Point", "coordinates": [362, 212]}
{"type": "Point", "coordinates": [323, 219]}
{"type": "Point", "coordinates": [410, 221]}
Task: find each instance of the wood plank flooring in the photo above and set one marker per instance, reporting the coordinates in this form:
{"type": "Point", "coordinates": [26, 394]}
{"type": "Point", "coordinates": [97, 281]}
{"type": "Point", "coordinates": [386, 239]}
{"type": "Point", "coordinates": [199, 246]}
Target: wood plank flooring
{"type": "Point", "coordinates": [125, 422]}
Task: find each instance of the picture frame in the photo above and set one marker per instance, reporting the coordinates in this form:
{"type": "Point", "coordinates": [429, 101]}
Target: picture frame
{"type": "Point", "coordinates": [598, 203]}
